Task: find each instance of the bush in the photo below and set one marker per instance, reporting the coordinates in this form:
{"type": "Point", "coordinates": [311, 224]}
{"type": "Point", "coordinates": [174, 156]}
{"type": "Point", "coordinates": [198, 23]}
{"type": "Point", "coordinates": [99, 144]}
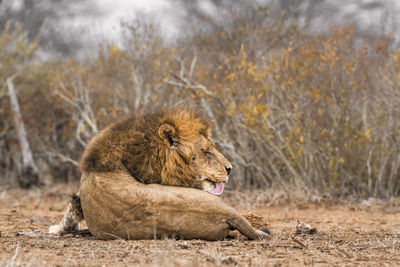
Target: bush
{"type": "Point", "coordinates": [293, 110]}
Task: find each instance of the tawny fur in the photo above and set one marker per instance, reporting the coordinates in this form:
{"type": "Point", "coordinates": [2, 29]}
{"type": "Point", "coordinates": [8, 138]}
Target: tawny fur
{"type": "Point", "coordinates": [137, 145]}
{"type": "Point", "coordinates": [171, 147]}
{"type": "Point", "coordinates": [157, 148]}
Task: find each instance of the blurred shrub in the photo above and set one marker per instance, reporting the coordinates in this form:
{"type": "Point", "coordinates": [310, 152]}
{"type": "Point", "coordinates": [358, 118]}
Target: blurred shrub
{"type": "Point", "coordinates": [318, 113]}
{"type": "Point", "coordinates": [292, 109]}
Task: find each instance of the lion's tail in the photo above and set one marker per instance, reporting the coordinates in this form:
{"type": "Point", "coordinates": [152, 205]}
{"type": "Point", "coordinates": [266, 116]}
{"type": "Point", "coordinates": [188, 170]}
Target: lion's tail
{"type": "Point", "coordinates": [245, 228]}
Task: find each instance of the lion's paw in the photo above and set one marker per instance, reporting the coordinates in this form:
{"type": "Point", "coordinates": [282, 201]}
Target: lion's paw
{"type": "Point", "coordinates": [55, 230]}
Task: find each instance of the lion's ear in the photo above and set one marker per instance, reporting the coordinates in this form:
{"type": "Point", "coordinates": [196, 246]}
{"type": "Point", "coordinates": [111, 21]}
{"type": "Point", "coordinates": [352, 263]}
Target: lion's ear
{"type": "Point", "coordinates": [168, 134]}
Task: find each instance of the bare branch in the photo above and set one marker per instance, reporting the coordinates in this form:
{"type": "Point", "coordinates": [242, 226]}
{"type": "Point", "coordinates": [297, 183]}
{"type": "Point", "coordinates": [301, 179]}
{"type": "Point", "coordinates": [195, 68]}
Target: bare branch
{"type": "Point", "coordinates": [29, 174]}
{"type": "Point", "coordinates": [63, 158]}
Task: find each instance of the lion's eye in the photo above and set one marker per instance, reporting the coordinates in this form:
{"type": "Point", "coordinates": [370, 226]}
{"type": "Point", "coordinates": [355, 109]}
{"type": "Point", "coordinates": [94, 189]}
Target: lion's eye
{"type": "Point", "coordinates": [206, 152]}
{"type": "Point", "coordinates": [194, 158]}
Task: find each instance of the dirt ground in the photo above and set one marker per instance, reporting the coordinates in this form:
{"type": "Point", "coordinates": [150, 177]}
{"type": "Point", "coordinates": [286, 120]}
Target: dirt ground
{"type": "Point", "coordinates": [365, 233]}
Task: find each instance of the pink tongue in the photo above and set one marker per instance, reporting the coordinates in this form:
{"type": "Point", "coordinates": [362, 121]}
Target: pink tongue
{"type": "Point", "coordinates": [219, 188]}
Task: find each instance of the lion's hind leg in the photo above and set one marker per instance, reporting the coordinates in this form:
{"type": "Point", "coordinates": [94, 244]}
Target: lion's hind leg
{"type": "Point", "coordinates": [71, 219]}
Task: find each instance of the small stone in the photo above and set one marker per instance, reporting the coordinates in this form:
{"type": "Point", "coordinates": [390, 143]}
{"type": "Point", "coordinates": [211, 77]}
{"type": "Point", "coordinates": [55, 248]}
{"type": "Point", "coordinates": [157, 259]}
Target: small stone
{"type": "Point", "coordinates": [233, 234]}
{"type": "Point", "coordinates": [184, 245]}
{"type": "Point", "coordinates": [304, 229]}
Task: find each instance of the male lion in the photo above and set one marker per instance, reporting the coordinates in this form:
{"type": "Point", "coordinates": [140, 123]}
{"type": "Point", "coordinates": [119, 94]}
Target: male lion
{"type": "Point", "coordinates": [141, 179]}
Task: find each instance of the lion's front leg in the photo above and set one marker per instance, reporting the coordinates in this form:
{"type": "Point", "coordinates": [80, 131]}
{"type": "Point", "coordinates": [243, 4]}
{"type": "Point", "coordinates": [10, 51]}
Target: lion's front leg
{"type": "Point", "coordinates": [71, 219]}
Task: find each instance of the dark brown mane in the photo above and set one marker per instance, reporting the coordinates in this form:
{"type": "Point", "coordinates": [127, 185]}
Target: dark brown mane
{"type": "Point", "coordinates": [134, 145]}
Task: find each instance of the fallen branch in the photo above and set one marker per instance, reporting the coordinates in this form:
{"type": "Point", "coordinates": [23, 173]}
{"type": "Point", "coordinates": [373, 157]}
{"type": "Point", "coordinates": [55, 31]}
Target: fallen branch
{"type": "Point", "coordinates": [79, 233]}
{"type": "Point", "coordinates": [299, 242]}
{"type": "Point", "coordinates": [35, 235]}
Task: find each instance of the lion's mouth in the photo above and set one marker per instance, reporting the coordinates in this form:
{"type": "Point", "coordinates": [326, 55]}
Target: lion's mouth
{"type": "Point", "coordinates": [218, 188]}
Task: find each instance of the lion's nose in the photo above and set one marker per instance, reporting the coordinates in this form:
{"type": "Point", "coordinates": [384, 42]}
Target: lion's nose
{"type": "Point", "coordinates": [228, 170]}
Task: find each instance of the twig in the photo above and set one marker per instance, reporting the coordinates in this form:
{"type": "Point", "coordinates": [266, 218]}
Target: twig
{"type": "Point", "coordinates": [79, 233]}
{"type": "Point", "coordinates": [299, 242]}
{"type": "Point", "coordinates": [191, 70]}
{"type": "Point", "coordinates": [15, 255]}
{"type": "Point", "coordinates": [186, 83]}
{"type": "Point", "coordinates": [63, 157]}
{"type": "Point", "coordinates": [30, 234]}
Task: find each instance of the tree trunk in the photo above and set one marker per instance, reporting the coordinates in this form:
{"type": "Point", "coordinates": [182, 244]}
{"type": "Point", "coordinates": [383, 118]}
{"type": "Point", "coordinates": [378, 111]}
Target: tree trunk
{"type": "Point", "coordinates": [28, 175]}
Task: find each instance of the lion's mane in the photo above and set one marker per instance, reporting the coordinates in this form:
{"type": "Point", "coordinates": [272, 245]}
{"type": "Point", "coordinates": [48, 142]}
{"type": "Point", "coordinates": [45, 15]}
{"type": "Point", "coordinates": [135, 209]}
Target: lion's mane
{"type": "Point", "coordinates": [136, 145]}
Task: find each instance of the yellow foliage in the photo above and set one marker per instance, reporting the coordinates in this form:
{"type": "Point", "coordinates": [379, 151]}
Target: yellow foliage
{"type": "Point", "coordinates": [315, 109]}
{"type": "Point", "coordinates": [113, 51]}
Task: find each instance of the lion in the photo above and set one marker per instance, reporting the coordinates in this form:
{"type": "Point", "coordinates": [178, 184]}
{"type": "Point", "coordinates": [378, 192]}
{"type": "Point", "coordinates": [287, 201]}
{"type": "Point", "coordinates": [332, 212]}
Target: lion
{"type": "Point", "coordinates": [154, 176]}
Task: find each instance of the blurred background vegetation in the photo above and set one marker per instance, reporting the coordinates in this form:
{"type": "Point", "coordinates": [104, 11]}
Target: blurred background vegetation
{"type": "Point", "coordinates": [295, 106]}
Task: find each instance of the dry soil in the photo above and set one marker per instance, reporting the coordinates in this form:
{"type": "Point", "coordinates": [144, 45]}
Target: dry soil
{"type": "Point", "coordinates": [366, 233]}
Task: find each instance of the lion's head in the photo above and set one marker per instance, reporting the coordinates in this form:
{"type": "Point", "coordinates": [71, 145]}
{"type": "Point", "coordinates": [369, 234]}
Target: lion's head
{"type": "Point", "coordinates": [191, 157]}
{"type": "Point", "coordinates": [171, 147]}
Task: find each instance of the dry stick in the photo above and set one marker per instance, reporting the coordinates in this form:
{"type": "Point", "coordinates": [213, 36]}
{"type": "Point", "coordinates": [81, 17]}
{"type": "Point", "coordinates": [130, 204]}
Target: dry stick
{"type": "Point", "coordinates": [28, 164]}
{"type": "Point", "coordinates": [35, 235]}
{"type": "Point", "coordinates": [298, 242]}
{"type": "Point", "coordinates": [82, 233]}
{"type": "Point", "coordinates": [63, 158]}
{"type": "Point", "coordinates": [15, 255]}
